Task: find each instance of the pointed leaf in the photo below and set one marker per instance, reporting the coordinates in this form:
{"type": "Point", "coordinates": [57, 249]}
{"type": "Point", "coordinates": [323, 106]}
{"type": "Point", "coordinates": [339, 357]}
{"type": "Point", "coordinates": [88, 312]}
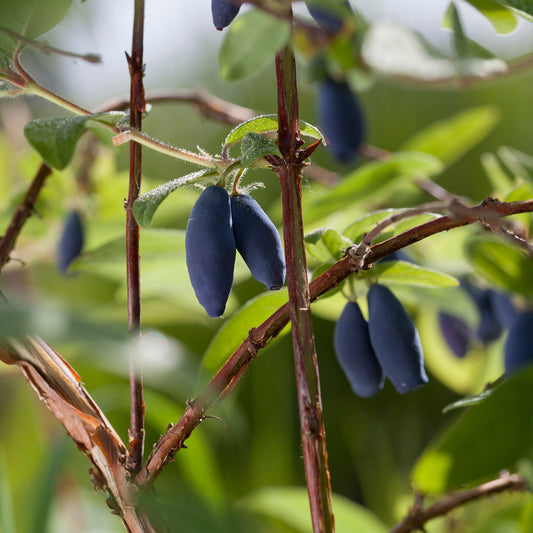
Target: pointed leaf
{"type": "Point", "coordinates": [236, 329]}
{"type": "Point", "coordinates": [326, 244]}
{"type": "Point", "coordinates": [267, 124]}
{"type": "Point", "coordinates": [403, 273]}
{"type": "Point", "coordinates": [146, 205]}
{"type": "Point", "coordinates": [500, 16]}
{"type": "Point", "coordinates": [451, 138]}
{"type": "Point", "coordinates": [255, 146]}
{"type": "Point", "coordinates": [55, 138]}
{"type": "Point", "coordinates": [468, 401]}
{"type": "Point", "coordinates": [524, 6]}
{"type": "Point", "coordinates": [251, 42]}
{"type": "Point", "coordinates": [111, 118]}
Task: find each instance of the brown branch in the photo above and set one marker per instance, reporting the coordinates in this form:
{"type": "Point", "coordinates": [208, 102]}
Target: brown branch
{"type": "Point", "coordinates": [22, 213]}
{"type": "Point", "coordinates": [137, 107]}
{"type": "Point", "coordinates": [418, 516]}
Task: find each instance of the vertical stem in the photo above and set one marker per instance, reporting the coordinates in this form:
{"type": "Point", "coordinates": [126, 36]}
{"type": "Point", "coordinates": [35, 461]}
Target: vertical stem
{"type": "Point", "coordinates": [305, 359]}
{"type": "Point", "coordinates": [137, 106]}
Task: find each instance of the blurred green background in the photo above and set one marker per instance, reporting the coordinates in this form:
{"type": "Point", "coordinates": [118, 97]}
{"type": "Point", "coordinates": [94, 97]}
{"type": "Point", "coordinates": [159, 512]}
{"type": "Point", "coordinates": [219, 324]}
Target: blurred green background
{"type": "Point", "coordinates": [245, 474]}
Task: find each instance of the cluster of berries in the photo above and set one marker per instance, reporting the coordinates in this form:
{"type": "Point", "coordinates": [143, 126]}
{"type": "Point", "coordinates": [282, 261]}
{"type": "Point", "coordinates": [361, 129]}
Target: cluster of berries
{"type": "Point", "coordinates": [218, 226]}
{"type": "Point", "coordinates": [388, 345]}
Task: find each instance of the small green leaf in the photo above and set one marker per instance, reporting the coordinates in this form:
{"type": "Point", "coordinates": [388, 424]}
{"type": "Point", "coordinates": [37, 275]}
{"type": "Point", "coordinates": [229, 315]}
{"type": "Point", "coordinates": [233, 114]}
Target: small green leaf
{"type": "Point", "coordinates": [255, 146]}
{"type": "Point", "coordinates": [460, 42]}
{"type": "Point", "coordinates": [499, 179]}
{"type": "Point", "coordinates": [111, 118]}
{"type": "Point", "coordinates": [356, 230]}
{"type": "Point", "coordinates": [290, 505]}
{"type": "Point", "coordinates": [146, 205]}
{"type": "Point", "coordinates": [266, 124]}
{"type": "Point", "coordinates": [502, 264]}
{"type": "Point", "coordinates": [451, 138]}
{"type": "Point", "coordinates": [473, 449]}
{"type": "Point", "coordinates": [404, 273]}
{"type": "Point", "coordinates": [524, 6]}
{"type": "Point", "coordinates": [500, 16]}
{"type": "Point", "coordinates": [232, 333]}
{"type": "Point", "coordinates": [251, 42]}
{"type": "Point", "coordinates": [468, 401]}
{"type": "Point", "coordinates": [326, 244]}
{"type": "Point", "coordinates": [369, 178]}
{"type": "Point", "coordinates": [55, 138]}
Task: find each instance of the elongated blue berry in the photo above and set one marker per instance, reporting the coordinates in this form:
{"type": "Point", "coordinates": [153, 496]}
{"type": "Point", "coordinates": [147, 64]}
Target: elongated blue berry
{"type": "Point", "coordinates": [341, 119]}
{"type": "Point", "coordinates": [456, 333]}
{"type": "Point", "coordinates": [224, 11]}
{"type": "Point", "coordinates": [71, 243]}
{"type": "Point", "coordinates": [328, 19]}
{"type": "Point", "coordinates": [518, 349]}
{"type": "Point", "coordinates": [355, 353]}
{"type": "Point", "coordinates": [395, 340]}
{"type": "Point", "coordinates": [210, 249]}
{"type": "Point", "coordinates": [258, 241]}
{"type": "Point", "coordinates": [503, 308]}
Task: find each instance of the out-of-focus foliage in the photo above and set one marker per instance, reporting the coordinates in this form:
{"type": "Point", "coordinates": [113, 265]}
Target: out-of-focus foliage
{"type": "Point", "coordinates": [472, 136]}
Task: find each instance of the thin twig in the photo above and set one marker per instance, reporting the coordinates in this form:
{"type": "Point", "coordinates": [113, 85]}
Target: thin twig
{"type": "Point", "coordinates": [262, 335]}
{"type": "Point", "coordinates": [418, 516]}
{"type": "Point", "coordinates": [137, 107]}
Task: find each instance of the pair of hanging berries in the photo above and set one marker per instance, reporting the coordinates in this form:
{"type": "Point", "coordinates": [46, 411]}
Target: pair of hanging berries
{"type": "Point", "coordinates": [218, 227]}
{"type": "Point", "coordinates": [387, 345]}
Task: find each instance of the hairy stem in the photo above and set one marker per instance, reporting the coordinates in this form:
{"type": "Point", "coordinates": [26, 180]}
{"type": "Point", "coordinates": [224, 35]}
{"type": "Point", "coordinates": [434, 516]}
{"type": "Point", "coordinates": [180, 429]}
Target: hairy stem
{"type": "Point", "coordinates": [305, 359]}
{"type": "Point", "coordinates": [137, 106]}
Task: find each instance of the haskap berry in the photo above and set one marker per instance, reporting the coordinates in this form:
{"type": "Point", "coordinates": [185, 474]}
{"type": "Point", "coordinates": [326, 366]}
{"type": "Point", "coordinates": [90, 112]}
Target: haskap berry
{"type": "Point", "coordinates": [210, 249]}
{"type": "Point", "coordinates": [341, 119]}
{"type": "Point", "coordinates": [355, 354]}
{"type": "Point", "coordinates": [71, 243]}
{"type": "Point", "coordinates": [456, 332]}
{"type": "Point", "coordinates": [518, 348]}
{"type": "Point", "coordinates": [258, 241]}
{"type": "Point", "coordinates": [224, 11]}
{"type": "Point", "coordinates": [395, 340]}
{"type": "Point", "coordinates": [328, 19]}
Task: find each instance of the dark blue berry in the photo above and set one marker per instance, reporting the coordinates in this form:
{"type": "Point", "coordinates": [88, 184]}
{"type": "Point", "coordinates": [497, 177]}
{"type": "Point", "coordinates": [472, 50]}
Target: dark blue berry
{"type": "Point", "coordinates": [258, 241]}
{"type": "Point", "coordinates": [456, 333]}
{"type": "Point", "coordinates": [341, 119]}
{"type": "Point", "coordinates": [518, 349]}
{"type": "Point", "coordinates": [395, 340]}
{"type": "Point", "coordinates": [328, 19]}
{"type": "Point", "coordinates": [71, 243]}
{"type": "Point", "coordinates": [355, 353]}
{"type": "Point", "coordinates": [224, 11]}
{"type": "Point", "coordinates": [210, 249]}
{"type": "Point", "coordinates": [503, 308]}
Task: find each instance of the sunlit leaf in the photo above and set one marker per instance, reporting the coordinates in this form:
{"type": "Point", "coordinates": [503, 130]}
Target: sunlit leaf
{"type": "Point", "coordinates": [370, 178]}
{"type": "Point", "coordinates": [502, 264]}
{"type": "Point", "coordinates": [146, 205]}
{"type": "Point", "coordinates": [290, 505]}
{"type": "Point", "coordinates": [404, 273]}
{"type": "Point", "coordinates": [524, 6]}
{"type": "Point", "coordinates": [449, 139]}
{"type": "Point", "coordinates": [251, 42]}
{"type": "Point", "coordinates": [266, 124]}
{"type": "Point", "coordinates": [488, 438]}
{"type": "Point", "coordinates": [326, 244]}
{"type": "Point", "coordinates": [501, 17]}
{"type": "Point", "coordinates": [255, 146]}
{"type": "Point", "coordinates": [236, 329]}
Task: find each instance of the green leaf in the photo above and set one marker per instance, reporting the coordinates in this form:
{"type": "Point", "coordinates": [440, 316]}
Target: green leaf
{"type": "Point", "coordinates": [468, 401]}
{"type": "Point", "coordinates": [251, 43]}
{"type": "Point", "coordinates": [290, 505]}
{"type": "Point", "coordinates": [356, 230]}
{"type": "Point", "coordinates": [473, 448]}
{"type": "Point", "coordinates": [55, 138]}
{"type": "Point", "coordinates": [525, 6]}
{"type": "Point", "coordinates": [111, 118]}
{"type": "Point", "coordinates": [451, 138]}
{"type": "Point", "coordinates": [7, 520]}
{"type": "Point", "coordinates": [460, 42]}
{"type": "Point", "coordinates": [236, 329]}
{"type": "Point", "coordinates": [368, 179]}
{"type": "Point", "coordinates": [30, 18]}
{"type": "Point", "coordinates": [146, 205]}
{"type": "Point", "coordinates": [266, 124]}
{"type": "Point", "coordinates": [501, 17]}
{"type": "Point", "coordinates": [502, 264]}
{"type": "Point", "coordinates": [255, 146]}
{"type": "Point", "coordinates": [404, 273]}
{"type": "Point", "coordinates": [326, 244]}
{"type": "Point", "coordinates": [499, 179]}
